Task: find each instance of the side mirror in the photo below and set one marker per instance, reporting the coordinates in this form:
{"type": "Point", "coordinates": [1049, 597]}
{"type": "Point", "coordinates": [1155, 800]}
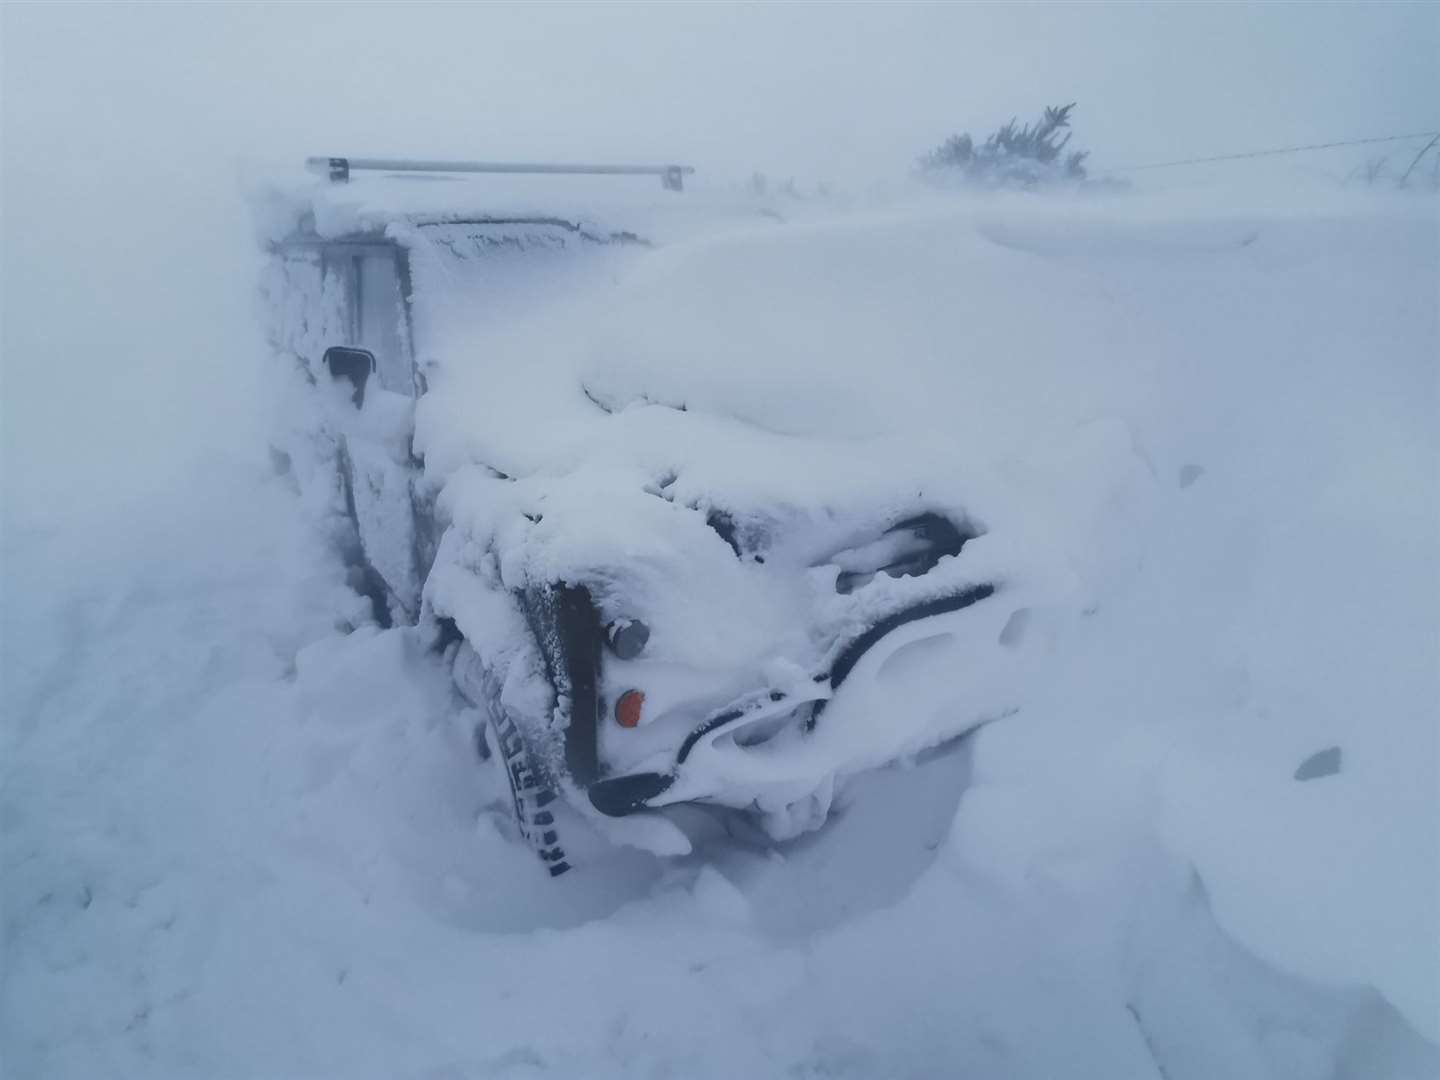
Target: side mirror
{"type": "Point", "coordinates": [353, 364]}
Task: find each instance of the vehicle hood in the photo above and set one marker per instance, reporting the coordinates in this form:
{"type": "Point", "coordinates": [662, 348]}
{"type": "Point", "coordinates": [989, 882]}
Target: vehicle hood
{"type": "Point", "coordinates": [845, 331]}
{"type": "Point", "coordinates": [815, 383]}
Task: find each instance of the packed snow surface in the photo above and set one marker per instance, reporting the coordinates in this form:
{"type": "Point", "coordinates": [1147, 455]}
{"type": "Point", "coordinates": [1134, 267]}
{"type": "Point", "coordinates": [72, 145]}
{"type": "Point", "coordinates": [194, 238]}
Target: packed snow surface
{"type": "Point", "coordinates": [245, 833]}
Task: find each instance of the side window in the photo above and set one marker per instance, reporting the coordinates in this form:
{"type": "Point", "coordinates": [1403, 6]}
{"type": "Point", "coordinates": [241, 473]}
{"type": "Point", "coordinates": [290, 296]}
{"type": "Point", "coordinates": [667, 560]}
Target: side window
{"type": "Point", "coordinates": [380, 316]}
{"type": "Point", "coordinates": [375, 318]}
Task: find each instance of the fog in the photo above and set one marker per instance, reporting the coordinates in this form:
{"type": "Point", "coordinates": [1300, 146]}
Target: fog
{"type": "Point", "coordinates": [131, 131]}
{"type": "Point", "coordinates": [1158, 798]}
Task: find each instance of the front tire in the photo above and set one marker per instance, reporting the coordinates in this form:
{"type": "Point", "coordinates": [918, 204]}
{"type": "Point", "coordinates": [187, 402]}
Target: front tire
{"type": "Point", "coordinates": [501, 741]}
{"type": "Point", "coordinates": [534, 800]}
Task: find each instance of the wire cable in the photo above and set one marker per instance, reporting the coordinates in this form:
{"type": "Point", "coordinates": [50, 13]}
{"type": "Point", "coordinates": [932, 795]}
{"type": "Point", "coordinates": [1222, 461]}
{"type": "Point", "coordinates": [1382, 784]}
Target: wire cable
{"type": "Point", "coordinates": [1271, 153]}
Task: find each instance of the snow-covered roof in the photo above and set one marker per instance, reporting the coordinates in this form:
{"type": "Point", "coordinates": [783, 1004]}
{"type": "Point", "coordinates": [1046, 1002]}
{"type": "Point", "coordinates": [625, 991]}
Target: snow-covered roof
{"type": "Point", "coordinates": [369, 204]}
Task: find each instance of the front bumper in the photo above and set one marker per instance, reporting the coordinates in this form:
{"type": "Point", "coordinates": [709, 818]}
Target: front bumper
{"type": "Point", "coordinates": [763, 717]}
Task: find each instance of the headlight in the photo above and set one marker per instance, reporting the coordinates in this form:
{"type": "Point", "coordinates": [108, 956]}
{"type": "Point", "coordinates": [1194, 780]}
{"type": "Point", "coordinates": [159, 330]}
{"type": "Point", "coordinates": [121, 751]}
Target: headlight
{"type": "Point", "coordinates": [627, 638]}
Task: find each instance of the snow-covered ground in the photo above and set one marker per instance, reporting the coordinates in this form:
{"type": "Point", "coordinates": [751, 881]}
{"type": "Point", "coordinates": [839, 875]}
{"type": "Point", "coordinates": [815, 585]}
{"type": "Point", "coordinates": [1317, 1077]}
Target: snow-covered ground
{"type": "Point", "coordinates": [245, 833]}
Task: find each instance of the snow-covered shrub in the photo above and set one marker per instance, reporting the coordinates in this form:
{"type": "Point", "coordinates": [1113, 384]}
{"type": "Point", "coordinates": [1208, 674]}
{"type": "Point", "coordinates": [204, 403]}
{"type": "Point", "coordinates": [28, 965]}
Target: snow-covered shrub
{"type": "Point", "coordinates": [1026, 157]}
{"type": "Point", "coordinates": [1415, 176]}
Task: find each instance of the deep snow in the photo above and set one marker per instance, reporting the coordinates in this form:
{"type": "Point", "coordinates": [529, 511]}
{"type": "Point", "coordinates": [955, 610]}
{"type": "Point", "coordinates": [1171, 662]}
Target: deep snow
{"type": "Point", "coordinates": [245, 833]}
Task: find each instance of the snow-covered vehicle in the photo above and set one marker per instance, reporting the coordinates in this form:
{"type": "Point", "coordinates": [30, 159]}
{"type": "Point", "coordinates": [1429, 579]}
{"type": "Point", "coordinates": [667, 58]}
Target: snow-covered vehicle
{"type": "Point", "coordinates": [520, 413]}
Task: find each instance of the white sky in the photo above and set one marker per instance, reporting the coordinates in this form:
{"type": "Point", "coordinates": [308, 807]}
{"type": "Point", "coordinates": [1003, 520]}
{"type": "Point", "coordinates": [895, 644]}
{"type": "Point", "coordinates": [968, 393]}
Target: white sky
{"type": "Point", "coordinates": [843, 91]}
{"type": "Point", "coordinates": [124, 128]}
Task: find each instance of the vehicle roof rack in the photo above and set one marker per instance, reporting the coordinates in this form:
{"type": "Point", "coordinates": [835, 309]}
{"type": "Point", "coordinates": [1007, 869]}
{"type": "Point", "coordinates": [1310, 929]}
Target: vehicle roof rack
{"type": "Point", "coordinates": [338, 169]}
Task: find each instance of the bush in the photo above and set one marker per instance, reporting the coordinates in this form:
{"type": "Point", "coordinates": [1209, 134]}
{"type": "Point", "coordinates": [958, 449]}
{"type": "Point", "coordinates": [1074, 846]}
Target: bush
{"type": "Point", "coordinates": [1026, 157]}
{"type": "Point", "coordinates": [1378, 170]}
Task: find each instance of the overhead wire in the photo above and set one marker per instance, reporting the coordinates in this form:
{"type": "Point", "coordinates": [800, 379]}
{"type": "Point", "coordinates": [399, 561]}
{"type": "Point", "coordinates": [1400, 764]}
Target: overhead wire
{"type": "Point", "coordinates": [1271, 153]}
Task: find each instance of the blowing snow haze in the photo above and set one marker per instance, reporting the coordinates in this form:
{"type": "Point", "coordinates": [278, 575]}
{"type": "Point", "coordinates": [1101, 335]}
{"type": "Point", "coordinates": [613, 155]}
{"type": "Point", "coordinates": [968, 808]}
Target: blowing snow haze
{"type": "Point", "coordinates": [843, 619]}
{"type": "Point", "coordinates": [129, 130]}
